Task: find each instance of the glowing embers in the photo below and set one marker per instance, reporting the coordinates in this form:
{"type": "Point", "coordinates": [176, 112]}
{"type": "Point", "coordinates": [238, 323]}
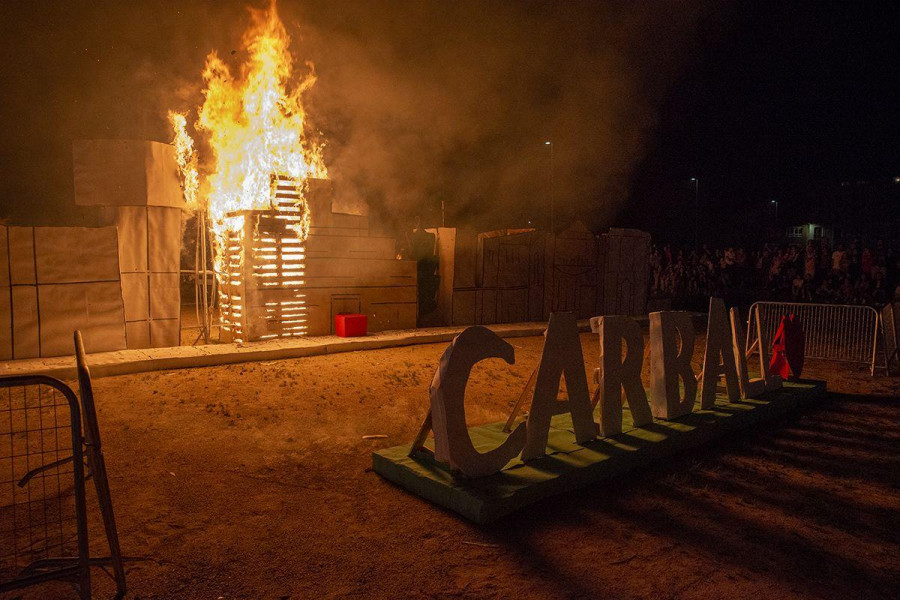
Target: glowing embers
{"type": "Point", "coordinates": [263, 269]}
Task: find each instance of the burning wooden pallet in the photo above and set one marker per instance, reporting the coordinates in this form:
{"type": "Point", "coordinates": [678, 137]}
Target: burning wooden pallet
{"type": "Point", "coordinates": [260, 291]}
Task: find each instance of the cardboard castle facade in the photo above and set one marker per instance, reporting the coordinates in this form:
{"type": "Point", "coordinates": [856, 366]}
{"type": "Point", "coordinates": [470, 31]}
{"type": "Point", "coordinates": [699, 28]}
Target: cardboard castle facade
{"type": "Point", "coordinates": [137, 184]}
{"type": "Point", "coordinates": [512, 276]}
{"type": "Point", "coordinates": [351, 267]}
{"type": "Point", "coordinates": [119, 283]}
{"type": "Point", "coordinates": [344, 265]}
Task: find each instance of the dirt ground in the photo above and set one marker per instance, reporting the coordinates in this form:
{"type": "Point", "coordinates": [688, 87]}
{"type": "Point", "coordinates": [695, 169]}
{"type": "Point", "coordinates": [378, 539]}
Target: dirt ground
{"type": "Point", "coordinates": [253, 481]}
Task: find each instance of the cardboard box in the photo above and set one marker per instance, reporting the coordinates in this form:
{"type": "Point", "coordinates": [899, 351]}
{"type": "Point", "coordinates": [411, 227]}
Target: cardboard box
{"type": "Point", "coordinates": [4, 256]}
{"type": "Point", "coordinates": [164, 239]}
{"type": "Point", "coordinates": [94, 308]}
{"type": "Point", "coordinates": [125, 173]}
{"type": "Point", "coordinates": [165, 333]}
{"type": "Point", "coordinates": [25, 332]}
{"type": "Point", "coordinates": [136, 296]}
{"type": "Point", "coordinates": [6, 350]}
{"type": "Point", "coordinates": [76, 254]}
{"type": "Point", "coordinates": [131, 222]}
{"type": "Point", "coordinates": [21, 256]}
{"type": "Point", "coordinates": [137, 334]}
{"type": "Point", "coordinates": [165, 296]}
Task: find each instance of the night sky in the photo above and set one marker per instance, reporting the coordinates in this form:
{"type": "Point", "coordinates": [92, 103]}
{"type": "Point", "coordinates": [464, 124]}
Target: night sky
{"type": "Point", "coordinates": [423, 102]}
{"type": "Point", "coordinates": [788, 102]}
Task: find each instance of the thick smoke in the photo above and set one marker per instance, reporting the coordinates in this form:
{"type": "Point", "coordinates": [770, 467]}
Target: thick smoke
{"type": "Point", "coordinates": [420, 102]}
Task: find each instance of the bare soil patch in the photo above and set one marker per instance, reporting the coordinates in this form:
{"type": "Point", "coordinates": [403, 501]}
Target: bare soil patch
{"type": "Point", "coordinates": [254, 481]}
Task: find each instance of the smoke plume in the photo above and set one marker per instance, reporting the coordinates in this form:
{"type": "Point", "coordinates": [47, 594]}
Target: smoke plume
{"type": "Point", "coordinates": [421, 103]}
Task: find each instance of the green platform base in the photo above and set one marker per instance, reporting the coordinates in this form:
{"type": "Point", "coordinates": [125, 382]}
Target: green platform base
{"type": "Point", "coordinates": [568, 465]}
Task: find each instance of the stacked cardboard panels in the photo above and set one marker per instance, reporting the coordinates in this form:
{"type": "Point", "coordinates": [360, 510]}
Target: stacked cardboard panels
{"type": "Point", "coordinates": [512, 276]}
{"type": "Point", "coordinates": [572, 276]}
{"type": "Point", "coordinates": [624, 262]}
{"type": "Point", "coordinates": [493, 277]}
{"type": "Point", "coordinates": [139, 181]}
{"type": "Point", "coordinates": [54, 280]}
{"type": "Point", "coordinates": [349, 268]}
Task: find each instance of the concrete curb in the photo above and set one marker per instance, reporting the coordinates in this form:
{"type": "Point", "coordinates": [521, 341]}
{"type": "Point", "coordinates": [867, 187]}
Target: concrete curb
{"type": "Point", "coordinates": [127, 362]}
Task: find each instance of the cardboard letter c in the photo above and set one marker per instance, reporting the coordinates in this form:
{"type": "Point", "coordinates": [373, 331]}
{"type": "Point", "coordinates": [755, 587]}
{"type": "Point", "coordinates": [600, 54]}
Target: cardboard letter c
{"type": "Point", "coordinates": [448, 389]}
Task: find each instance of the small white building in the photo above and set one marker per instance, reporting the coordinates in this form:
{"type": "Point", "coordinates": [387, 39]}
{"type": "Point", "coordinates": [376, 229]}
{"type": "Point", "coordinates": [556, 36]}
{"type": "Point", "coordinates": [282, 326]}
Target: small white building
{"type": "Point", "coordinates": [800, 234]}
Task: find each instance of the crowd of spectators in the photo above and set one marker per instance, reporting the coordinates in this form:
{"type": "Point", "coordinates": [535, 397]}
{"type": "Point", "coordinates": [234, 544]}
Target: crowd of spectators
{"type": "Point", "coordinates": [849, 273]}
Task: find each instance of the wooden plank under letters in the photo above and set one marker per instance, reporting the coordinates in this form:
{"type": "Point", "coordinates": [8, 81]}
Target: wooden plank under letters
{"type": "Point", "coordinates": [566, 465]}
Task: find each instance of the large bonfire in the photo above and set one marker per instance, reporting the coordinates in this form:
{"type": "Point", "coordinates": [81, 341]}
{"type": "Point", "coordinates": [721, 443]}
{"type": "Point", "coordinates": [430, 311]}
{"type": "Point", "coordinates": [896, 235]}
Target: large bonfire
{"type": "Point", "coordinates": [256, 129]}
{"type": "Point", "coordinates": [262, 155]}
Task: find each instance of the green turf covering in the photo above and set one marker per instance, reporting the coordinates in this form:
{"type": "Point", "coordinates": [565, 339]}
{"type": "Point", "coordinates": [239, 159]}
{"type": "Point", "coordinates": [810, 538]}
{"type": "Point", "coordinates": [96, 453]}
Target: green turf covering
{"type": "Point", "coordinates": [569, 465]}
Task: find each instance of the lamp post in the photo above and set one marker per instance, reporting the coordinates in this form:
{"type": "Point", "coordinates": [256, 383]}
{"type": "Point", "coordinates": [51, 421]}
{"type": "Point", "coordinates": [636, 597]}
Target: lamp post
{"type": "Point", "coordinates": [775, 203]}
{"type": "Point", "coordinates": [552, 204]}
{"type": "Point", "coordinates": [696, 183]}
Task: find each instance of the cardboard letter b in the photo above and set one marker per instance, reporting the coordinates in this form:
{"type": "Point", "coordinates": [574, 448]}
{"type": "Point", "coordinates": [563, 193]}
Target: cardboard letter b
{"type": "Point", "coordinates": [669, 367]}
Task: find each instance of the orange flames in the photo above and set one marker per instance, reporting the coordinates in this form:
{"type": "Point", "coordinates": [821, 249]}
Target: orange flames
{"type": "Point", "coordinates": [186, 156]}
{"type": "Point", "coordinates": [254, 123]}
{"type": "Point", "coordinates": [255, 126]}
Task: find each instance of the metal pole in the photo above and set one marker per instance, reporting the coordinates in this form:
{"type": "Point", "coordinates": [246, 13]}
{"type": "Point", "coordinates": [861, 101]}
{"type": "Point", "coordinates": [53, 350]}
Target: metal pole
{"type": "Point", "coordinates": [207, 323]}
{"type": "Point", "coordinates": [552, 199]}
{"type": "Point", "coordinates": [696, 208]}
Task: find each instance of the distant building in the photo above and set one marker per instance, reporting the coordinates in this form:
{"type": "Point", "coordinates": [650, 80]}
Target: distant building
{"type": "Point", "coordinates": [801, 234]}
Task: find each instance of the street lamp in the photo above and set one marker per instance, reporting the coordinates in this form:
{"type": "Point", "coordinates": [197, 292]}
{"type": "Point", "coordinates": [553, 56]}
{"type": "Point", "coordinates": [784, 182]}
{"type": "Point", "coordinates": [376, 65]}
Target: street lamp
{"type": "Point", "coordinates": [696, 183]}
{"type": "Point", "coordinates": [552, 203]}
{"type": "Point", "coordinates": [775, 203]}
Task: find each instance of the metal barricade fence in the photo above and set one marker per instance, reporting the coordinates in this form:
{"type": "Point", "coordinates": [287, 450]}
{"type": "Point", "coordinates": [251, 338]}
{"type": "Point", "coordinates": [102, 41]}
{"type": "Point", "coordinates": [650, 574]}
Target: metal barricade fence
{"type": "Point", "coordinates": [42, 493]}
{"type": "Point", "coordinates": [46, 439]}
{"type": "Point", "coordinates": [832, 331]}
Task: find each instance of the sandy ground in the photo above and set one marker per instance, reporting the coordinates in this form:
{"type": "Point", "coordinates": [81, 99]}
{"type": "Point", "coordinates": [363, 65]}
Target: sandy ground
{"type": "Point", "coordinates": [253, 481]}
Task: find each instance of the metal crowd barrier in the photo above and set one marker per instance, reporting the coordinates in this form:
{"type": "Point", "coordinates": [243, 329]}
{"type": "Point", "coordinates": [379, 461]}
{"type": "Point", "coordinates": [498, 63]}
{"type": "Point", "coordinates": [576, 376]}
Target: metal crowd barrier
{"type": "Point", "coordinates": [838, 332]}
{"type": "Point", "coordinates": [49, 446]}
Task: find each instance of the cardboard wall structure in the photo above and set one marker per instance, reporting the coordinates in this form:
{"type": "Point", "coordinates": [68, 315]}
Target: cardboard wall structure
{"type": "Point", "coordinates": [624, 266]}
{"type": "Point", "coordinates": [512, 276]}
{"type": "Point", "coordinates": [54, 280]}
{"type": "Point", "coordinates": [120, 284]}
{"type": "Point", "coordinates": [346, 268]}
{"type": "Point", "coordinates": [352, 268]}
{"type": "Point", "coordinates": [138, 182]}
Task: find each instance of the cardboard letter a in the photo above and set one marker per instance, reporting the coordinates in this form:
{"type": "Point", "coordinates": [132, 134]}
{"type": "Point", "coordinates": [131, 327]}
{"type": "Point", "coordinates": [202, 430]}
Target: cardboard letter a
{"type": "Point", "coordinates": [562, 355]}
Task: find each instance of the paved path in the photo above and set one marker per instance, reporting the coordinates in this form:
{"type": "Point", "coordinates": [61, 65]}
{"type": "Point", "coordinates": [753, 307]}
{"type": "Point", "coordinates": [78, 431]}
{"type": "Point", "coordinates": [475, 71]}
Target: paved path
{"type": "Point", "coordinates": [107, 364]}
